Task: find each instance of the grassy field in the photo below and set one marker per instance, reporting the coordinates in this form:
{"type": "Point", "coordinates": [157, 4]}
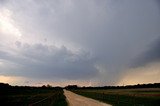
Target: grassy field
{"type": "Point", "coordinates": [17, 96]}
{"type": "Point", "coordinates": [124, 97]}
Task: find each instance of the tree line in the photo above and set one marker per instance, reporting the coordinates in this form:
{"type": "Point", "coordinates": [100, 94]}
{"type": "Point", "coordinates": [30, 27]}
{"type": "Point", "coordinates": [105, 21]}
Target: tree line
{"type": "Point", "coordinates": [149, 85]}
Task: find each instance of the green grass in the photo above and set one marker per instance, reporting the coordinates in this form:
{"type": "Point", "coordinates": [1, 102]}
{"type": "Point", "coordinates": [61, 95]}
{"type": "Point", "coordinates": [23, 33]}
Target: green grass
{"type": "Point", "coordinates": [32, 97]}
{"type": "Point", "coordinates": [124, 97]}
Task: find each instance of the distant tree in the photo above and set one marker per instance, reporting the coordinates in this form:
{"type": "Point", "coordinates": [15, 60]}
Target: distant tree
{"type": "Point", "coordinates": [49, 86]}
{"type": "Point", "coordinates": [4, 85]}
{"type": "Point", "coordinates": [4, 88]}
{"type": "Point", "coordinates": [43, 86]}
{"type": "Point", "coordinates": [71, 87]}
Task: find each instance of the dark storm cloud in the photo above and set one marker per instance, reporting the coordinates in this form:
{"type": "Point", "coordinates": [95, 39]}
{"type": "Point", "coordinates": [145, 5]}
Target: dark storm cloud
{"type": "Point", "coordinates": [42, 61]}
{"type": "Point", "coordinates": [110, 34]}
{"type": "Point", "coordinates": [3, 1]}
{"type": "Point", "coordinates": [149, 56]}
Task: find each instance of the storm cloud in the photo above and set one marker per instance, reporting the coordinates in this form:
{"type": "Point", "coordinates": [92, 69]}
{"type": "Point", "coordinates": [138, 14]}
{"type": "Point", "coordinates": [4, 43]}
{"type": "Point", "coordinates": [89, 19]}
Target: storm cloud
{"type": "Point", "coordinates": [151, 55]}
{"type": "Point", "coordinates": [94, 40]}
{"type": "Point", "coordinates": [44, 61]}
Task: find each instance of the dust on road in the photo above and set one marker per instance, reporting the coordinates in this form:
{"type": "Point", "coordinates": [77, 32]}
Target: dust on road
{"type": "Point", "coordinates": [78, 100]}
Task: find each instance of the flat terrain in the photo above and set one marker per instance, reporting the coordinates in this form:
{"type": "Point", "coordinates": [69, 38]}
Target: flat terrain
{"type": "Point", "coordinates": [124, 97]}
{"type": "Point", "coordinates": [28, 96]}
{"type": "Point", "coordinates": [77, 100]}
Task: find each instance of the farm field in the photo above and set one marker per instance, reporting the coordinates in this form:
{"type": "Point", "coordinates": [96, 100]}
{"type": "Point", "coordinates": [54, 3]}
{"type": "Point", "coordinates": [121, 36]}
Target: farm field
{"type": "Point", "coordinates": [28, 96]}
{"type": "Point", "coordinates": [124, 97]}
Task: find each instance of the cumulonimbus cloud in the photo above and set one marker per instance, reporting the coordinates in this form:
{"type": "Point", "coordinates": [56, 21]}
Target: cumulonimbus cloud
{"type": "Point", "coordinates": [74, 39]}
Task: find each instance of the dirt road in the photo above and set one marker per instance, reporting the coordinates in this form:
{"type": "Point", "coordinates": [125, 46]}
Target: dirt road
{"type": "Point", "coordinates": [77, 100]}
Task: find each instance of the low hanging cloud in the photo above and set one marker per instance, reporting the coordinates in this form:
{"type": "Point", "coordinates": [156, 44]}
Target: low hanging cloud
{"type": "Point", "coordinates": [48, 61]}
{"type": "Point", "coordinates": [152, 55]}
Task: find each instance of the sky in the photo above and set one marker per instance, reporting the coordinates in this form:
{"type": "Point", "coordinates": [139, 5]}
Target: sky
{"type": "Point", "coordinates": [83, 42]}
